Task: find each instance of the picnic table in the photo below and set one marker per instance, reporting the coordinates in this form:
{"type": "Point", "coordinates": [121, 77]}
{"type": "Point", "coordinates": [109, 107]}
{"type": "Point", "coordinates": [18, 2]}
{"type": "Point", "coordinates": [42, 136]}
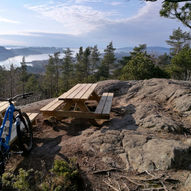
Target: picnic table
{"type": "Point", "coordinates": [73, 103]}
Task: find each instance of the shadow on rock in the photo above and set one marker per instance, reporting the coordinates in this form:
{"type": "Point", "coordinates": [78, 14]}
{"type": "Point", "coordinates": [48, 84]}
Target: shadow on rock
{"type": "Point", "coordinates": [74, 127]}
{"type": "Point", "coordinates": [126, 122]}
{"type": "Point", "coordinates": [182, 159]}
{"type": "Point", "coordinates": [41, 155]}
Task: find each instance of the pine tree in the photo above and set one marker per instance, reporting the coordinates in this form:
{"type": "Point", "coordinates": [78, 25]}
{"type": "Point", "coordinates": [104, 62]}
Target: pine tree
{"type": "Point", "coordinates": [12, 80]}
{"type": "Point", "coordinates": [3, 79]}
{"type": "Point", "coordinates": [107, 62]}
{"type": "Point", "coordinates": [79, 66]}
{"type": "Point", "coordinates": [180, 67]}
{"type": "Point", "coordinates": [56, 61]}
{"type": "Point", "coordinates": [86, 63]}
{"type": "Point", "coordinates": [23, 74]}
{"type": "Point", "coordinates": [67, 68]}
{"type": "Point", "coordinates": [139, 49]}
{"type": "Point", "coordinates": [178, 40]}
{"type": "Point", "coordinates": [95, 59]}
{"type": "Point", "coordinates": [50, 77]}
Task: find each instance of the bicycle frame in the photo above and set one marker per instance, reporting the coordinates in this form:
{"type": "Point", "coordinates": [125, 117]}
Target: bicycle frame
{"type": "Point", "coordinates": [8, 116]}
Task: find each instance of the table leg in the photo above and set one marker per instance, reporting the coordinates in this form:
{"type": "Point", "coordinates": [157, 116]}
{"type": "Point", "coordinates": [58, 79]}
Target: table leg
{"type": "Point", "coordinates": [82, 106]}
{"type": "Point", "coordinates": [94, 96]}
{"type": "Point", "coordinates": [67, 106]}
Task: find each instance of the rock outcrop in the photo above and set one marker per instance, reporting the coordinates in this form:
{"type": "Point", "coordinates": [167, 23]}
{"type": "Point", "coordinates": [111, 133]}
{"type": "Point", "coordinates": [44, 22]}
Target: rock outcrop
{"type": "Point", "coordinates": [147, 126]}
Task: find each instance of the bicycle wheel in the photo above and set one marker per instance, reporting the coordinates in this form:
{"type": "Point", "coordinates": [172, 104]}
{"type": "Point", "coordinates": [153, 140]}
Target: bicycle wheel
{"type": "Point", "coordinates": [24, 133]}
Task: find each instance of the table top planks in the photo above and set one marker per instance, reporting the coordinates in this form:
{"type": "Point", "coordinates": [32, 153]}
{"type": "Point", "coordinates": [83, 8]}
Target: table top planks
{"type": "Point", "coordinates": [88, 93]}
{"type": "Point", "coordinates": [79, 92]}
{"type": "Point", "coordinates": [66, 94]}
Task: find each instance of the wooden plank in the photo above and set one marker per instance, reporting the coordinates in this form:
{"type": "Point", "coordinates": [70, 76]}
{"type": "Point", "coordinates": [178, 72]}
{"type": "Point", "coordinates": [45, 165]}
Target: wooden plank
{"type": "Point", "coordinates": [66, 94]}
{"type": "Point", "coordinates": [29, 114]}
{"type": "Point", "coordinates": [32, 116]}
{"type": "Point", "coordinates": [76, 114]}
{"type": "Point", "coordinates": [57, 101]}
{"type": "Point", "coordinates": [108, 103]}
{"type": "Point", "coordinates": [101, 104]}
{"type": "Point", "coordinates": [49, 105]}
{"type": "Point", "coordinates": [56, 105]}
{"type": "Point", "coordinates": [76, 92]}
{"type": "Point", "coordinates": [4, 107]}
{"type": "Point", "coordinates": [83, 91]}
{"type": "Point", "coordinates": [68, 105]}
{"type": "Point", "coordinates": [3, 103]}
{"type": "Point", "coordinates": [82, 106]}
{"type": "Point", "coordinates": [94, 96]}
{"type": "Point", "coordinates": [89, 92]}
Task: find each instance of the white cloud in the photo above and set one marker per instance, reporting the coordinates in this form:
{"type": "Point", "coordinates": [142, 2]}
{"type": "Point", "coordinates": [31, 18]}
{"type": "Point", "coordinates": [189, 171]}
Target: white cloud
{"type": "Point", "coordinates": [76, 19]}
{"type": "Point", "coordinates": [90, 1]}
{"type": "Point", "coordinates": [115, 3]}
{"type": "Point", "coordinates": [5, 20]}
{"type": "Point", "coordinates": [91, 26]}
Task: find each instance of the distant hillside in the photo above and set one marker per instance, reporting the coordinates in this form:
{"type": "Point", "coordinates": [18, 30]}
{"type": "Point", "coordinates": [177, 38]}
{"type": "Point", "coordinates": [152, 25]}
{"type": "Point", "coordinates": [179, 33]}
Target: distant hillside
{"type": "Point", "coordinates": [151, 50]}
{"type": "Point", "coordinates": [5, 54]}
{"type": "Point", "coordinates": [8, 53]}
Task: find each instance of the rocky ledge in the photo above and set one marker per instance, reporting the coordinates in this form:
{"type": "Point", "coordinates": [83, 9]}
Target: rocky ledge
{"type": "Point", "coordinates": [149, 129]}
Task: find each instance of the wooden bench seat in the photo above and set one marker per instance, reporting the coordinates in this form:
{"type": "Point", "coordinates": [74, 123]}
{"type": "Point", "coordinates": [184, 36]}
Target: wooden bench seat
{"type": "Point", "coordinates": [53, 105]}
{"type": "Point", "coordinates": [32, 116]}
{"type": "Point", "coordinates": [3, 106]}
{"type": "Point", "coordinates": [104, 105]}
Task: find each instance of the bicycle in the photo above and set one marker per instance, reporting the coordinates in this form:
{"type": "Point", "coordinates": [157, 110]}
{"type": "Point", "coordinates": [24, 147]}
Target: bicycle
{"type": "Point", "coordinates": [23, 127]}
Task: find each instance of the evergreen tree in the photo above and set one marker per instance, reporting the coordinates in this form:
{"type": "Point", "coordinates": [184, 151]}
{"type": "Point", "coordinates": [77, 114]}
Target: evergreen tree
{"type": "Point", "coordinates": [3, 79]}
{"type": "Point", "coordinates": [23, 76]}
{"type": "Point", "coordinates": [95, 59]}
{"type": "Point", "coordinates": [181, 65]}
{"type": "Point", "coordinates": [175, 10]}
{"type": "Point", "coordinates": [178, 40]}
{"type": "Point", "coordinates": [50, 77]}
{"type": "Point", "coordinates": [139, 49]}
{"type": "Point", "coordinates": [79, 66]}
{"type": "Point", "coordinates": [108, 62]}
{"type": "Point", "coordinates": [86, 63]}
{"type": "Point", "coordinates": [163, 60]}
{"type": "Point", "coordinates": [12, 80]}
{"type": "Point", "coordinates": [67, 69]}
{"type": "Point", "coordinates": [56, 61]}
{"type": "Point", "coordinates": [119, 66]}
{"type": "Point", "coordinates": [32, 84]}
{"type": "Point", "coordinates": [140, 67]}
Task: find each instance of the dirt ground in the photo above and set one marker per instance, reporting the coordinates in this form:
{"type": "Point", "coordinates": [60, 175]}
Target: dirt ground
{"type": "Point", "coordinates": [63, 139]}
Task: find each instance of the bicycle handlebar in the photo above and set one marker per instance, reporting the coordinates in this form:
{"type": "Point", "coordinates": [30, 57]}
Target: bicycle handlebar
{"type": "Point", "coordinates": [24, 96]}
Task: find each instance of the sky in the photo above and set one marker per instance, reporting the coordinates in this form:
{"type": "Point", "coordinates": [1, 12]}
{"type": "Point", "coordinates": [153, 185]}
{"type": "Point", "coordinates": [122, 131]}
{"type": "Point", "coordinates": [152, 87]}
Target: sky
{"type": "Point", "coordinates": [75, 23]}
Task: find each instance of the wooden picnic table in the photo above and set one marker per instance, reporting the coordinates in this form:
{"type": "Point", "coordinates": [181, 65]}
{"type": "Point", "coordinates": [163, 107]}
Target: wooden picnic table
{"type": "Point", "coordinates": [73, 103]}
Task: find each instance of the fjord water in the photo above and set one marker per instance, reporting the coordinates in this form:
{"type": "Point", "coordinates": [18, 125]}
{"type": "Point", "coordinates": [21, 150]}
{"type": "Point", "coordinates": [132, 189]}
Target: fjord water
{"type": "Point", "coordinates": [17, 60]}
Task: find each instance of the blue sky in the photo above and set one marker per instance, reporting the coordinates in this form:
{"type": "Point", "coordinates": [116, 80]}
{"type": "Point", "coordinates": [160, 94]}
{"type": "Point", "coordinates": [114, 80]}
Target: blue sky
{"type": "Point", "coordinates": [74, 23]}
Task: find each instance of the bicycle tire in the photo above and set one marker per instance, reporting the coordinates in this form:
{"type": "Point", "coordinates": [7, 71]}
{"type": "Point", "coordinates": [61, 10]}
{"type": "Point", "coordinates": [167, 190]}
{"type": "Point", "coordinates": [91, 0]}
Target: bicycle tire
{"type": "Point", "coordinates": [24, 133]}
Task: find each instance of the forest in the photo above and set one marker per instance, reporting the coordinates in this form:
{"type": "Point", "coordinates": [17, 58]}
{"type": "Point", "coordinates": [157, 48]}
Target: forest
{"type": "Point", "coordinates": [89, 66]}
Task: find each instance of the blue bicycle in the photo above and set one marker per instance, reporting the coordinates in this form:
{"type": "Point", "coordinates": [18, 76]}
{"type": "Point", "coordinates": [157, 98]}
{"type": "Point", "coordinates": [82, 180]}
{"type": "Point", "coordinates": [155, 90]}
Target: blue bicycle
{"type": "Point", "coordinates": [19, 121]}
